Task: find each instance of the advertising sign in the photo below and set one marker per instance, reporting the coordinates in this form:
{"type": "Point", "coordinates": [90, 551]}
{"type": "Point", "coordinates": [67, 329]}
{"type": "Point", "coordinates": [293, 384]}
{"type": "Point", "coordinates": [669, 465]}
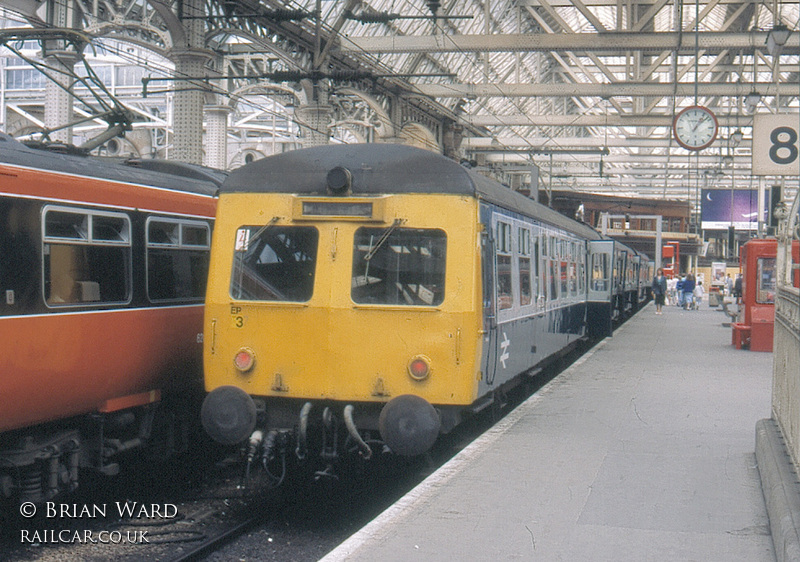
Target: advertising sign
{"type": "Point", "coordinates": [718, 270]}
{"type": "Point", "coordinates": [722, 208]}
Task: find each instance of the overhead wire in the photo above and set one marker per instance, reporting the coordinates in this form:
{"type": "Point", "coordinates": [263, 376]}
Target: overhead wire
{"type": "Point", "coordinates": [122, 54]}
{"type": "Point", "coordinates": [483, 104]}
{"type": "Point", "coordinates": [511, 100]}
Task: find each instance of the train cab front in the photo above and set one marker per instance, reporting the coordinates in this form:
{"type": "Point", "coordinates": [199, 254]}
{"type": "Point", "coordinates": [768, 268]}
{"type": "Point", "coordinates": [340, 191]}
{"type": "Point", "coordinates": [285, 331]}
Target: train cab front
{"type": "Point", "coordinates": [340, 324]}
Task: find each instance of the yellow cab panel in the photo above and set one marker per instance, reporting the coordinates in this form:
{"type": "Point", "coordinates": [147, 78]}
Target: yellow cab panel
{"type": "Point", "coordinates": [347, 299]}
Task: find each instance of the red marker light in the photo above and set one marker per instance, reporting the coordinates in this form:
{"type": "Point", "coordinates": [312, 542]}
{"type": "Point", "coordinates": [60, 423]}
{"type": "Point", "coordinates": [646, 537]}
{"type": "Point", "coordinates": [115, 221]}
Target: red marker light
{"type": "Point", "coordinates": [244, 359]}
{"type": "Point", "coordinates": [419, 367]}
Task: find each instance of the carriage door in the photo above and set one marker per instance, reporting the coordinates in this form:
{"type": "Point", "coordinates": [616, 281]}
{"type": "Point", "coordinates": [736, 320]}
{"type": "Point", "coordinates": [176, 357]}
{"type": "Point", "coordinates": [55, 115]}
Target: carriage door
{"type": "Point", "coordinates": [600, 305]}
{"type": "Point", "coordinates": [488, 279]}
{"type": "Point", "coordinates": [637, 282]}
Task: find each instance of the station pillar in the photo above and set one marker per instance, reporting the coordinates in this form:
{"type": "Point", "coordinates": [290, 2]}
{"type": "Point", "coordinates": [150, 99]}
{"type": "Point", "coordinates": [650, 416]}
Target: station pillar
{"type": "Point", "coordinates": [216, 143]}
{"type": "Point", "coordinates": [314, 120]}
{"type": "Point", "coordinates": [61, 57]}
{"type": "Point", "coordinates": [187, 113]}
{"type": "Point", "coordinates": [59, 102]}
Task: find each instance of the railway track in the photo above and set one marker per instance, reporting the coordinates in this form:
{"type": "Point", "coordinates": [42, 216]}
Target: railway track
{"type": "Point", "coordinates": [214, 543]}
{"type": "Point", "coordinates": [299, 521]}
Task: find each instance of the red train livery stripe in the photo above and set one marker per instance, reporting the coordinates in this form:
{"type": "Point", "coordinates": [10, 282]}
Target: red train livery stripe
{"type": "Point", "coordinates": [47, 184]}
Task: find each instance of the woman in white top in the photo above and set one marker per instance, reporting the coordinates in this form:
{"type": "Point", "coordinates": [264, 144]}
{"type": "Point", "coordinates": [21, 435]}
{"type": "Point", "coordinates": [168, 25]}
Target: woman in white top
{"type": "Point", "coordinates": [698, 295]}
{"type": "Point", "coordinates": [671, 290]}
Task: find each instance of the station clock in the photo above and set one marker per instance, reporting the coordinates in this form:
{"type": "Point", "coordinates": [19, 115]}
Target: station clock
{"type": "Point", "coordinates": [695, 127]}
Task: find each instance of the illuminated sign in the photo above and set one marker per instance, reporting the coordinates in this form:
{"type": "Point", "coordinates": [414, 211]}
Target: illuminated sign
{"type": "Point", "coordinates": [722, 208]}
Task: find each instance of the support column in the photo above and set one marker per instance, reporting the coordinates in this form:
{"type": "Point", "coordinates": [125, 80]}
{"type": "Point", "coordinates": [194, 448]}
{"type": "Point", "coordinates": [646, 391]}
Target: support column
{"type": "Point", "coordinates": [216, 143]}
{"type": "Point", "coordinates": [187, 116]}
{"type": "Point", "coordinates": [58, 99]}
{"type": "Point", "coordinates": [190, 58]}
{"type": "Point", "coordinates": [58, 55]}
{"type": "Point", "coordinates": [452, 136]}
{"type": "Point", "coordinates": [314, 120]}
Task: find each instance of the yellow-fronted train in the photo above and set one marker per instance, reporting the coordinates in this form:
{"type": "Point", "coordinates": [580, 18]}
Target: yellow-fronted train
{"type": "Point", "coordinates": [369, 297]}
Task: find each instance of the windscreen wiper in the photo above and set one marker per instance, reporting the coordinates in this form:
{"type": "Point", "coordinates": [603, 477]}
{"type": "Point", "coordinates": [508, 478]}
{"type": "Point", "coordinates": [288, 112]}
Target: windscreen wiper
{"type": "Point", "coordinates": [383, 238]}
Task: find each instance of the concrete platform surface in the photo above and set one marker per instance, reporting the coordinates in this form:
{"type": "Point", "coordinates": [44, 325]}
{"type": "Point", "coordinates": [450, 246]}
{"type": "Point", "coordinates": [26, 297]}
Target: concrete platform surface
{"type": "Point", "coordinates": [641, 451]}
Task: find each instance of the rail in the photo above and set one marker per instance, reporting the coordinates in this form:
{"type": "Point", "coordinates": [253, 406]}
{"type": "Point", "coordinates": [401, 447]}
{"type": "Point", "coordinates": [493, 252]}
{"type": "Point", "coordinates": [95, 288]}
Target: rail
{"type": "Point", "coordinates": [219, 540]}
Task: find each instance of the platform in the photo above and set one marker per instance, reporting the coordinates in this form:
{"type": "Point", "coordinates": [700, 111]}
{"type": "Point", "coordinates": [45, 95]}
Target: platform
{"type": "Point", "coordinates": [642, 450]}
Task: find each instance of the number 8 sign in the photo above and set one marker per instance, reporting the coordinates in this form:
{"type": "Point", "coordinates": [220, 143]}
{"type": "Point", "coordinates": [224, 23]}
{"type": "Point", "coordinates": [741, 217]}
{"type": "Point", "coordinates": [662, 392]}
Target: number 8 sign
{"type": "Point", "coordinates": [776, 150]}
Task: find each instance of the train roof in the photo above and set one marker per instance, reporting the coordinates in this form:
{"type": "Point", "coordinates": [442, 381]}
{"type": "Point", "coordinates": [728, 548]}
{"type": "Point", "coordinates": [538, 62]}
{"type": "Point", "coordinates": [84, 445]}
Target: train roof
{"type": "Point", "coordinates": [156, 173]}
{"type": "Point", "coordinates": [385, 168]}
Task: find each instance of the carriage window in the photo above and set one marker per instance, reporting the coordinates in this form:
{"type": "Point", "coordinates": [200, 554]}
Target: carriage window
{"type": "Point", "coordinates": [65, 225]}
{"type": "Point", "coordinates": [536, 268]}
{"type": "Point", "coordinates": [524, 242]}
{"type": "Point", "coordinates": [87, 256]}
{"type": "Point", "coordinates": [195, 235]}
{"type": "Point", "coordinates": [573, 279]}
{"type": "Point", "coordinates": [765, 290]}
{"type": "Point", "coordinates": [398, 266]}
{"type": "Point", "coordinates": [599, 272]}
{"type": "Point", "coordinates": [109, 229]}
{"type": "Point", "coordinates": [177, 259]}
{"type": "Point", "coordinates": [524, 281]}
{"type": "Point", "coordinates": [274, 263]}
{"type": "Point", "coordinates": [504, 237]}
{"type": "Point", "coordinates": [505, 297]}
{"type": "Point", "coordinates": [524, 267]}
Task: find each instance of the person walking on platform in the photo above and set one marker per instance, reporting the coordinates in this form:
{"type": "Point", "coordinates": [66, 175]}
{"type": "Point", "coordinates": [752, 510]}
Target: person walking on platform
{"type": "Point", "coordinates": [688, 291]}
{"type": "Point", "coordinates": [737, 289]}
{"type": "Point", "coordinates": [659, 288]}
{"type": "Point", "coordinates": [671, 290]}
{"type": "Point", "coordinates": [698, 295]}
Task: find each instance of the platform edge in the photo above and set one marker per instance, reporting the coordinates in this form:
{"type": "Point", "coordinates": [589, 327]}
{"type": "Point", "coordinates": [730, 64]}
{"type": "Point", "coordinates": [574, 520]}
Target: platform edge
{"type": "Point", "coordinates": [781, 490]}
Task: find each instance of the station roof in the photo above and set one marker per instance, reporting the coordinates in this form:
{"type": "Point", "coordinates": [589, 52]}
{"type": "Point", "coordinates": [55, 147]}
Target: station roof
{"type": "Point", "coordinates": [586, 89]}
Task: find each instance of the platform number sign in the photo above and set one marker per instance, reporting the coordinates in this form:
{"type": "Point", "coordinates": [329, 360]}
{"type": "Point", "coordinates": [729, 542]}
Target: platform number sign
{"type": "Point", "coordinates": [776, 150]}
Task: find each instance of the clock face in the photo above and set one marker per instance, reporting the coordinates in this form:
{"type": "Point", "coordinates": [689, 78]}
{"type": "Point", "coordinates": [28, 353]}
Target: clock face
{"type": "Point", "coordinates": [695, 127]}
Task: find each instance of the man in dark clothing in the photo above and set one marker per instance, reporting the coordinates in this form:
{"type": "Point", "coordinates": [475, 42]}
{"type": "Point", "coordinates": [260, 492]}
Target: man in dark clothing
{"type": "Point", "coordinates": [737, 289]}
{"type": "Point", "coordinates": [688, 291]}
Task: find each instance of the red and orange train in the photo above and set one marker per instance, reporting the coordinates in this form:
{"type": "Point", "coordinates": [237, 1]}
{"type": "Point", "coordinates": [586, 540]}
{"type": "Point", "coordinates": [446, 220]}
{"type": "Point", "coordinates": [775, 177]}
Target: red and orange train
{"type": "Point", "coordinates": [103, 267]}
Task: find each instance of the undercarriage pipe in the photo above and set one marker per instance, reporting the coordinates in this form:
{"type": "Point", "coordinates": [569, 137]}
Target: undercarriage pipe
{"type": "Point", "coordinates": [302, 433]}
{"type": "Point", "coordinates": [366, 452]}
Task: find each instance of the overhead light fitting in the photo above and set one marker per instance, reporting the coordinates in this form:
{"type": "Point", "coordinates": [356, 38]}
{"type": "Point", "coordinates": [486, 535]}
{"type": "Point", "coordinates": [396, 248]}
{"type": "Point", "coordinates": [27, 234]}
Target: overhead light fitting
{"type": "Point", "coordinates": [736, 137]}
{"type": "Point", "coordinates": [751, 101]}
{"type": "Point", "coordinates": [776, 39]}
